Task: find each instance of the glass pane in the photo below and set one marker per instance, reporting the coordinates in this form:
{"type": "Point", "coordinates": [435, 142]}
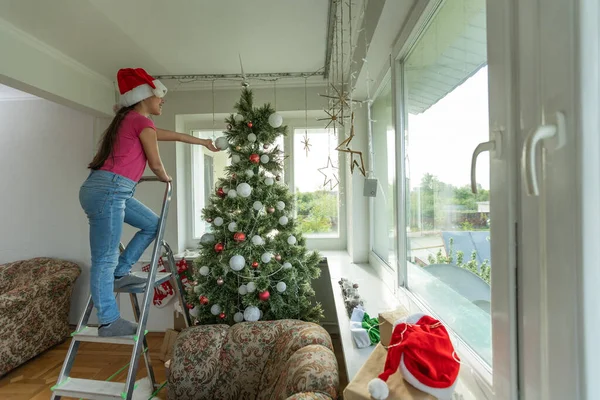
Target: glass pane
{"type": "Point", "coordinates": [448, 238]}
{"type": "Point", "coordinates": [384, 169]}
{"type": "Point", "coordinates": [316, 182]}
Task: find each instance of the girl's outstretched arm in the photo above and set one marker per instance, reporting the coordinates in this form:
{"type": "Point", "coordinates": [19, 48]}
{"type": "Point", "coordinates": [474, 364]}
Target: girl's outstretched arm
{"type": "Point", "coordinates": [164, 135]}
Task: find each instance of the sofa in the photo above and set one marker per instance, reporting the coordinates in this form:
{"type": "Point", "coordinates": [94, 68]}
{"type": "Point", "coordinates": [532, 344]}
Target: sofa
{"type": "Point", "coordinates": [35, 297]}
{"type": "Point", "coordinates": [284, 359]}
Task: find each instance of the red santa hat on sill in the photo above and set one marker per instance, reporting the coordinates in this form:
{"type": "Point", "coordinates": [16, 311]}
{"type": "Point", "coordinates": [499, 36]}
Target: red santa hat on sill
{"type": "Point", "coordinates": [136, 85]}
{"type": "Point", "coordinates": [421, 349]}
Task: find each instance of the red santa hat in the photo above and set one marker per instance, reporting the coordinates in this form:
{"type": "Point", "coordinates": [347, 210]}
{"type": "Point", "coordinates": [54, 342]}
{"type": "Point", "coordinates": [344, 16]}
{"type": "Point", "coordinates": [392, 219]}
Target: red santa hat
{"type": "Point", "coordinates": [421, 349]}
{"type": "Point", "coordinates": [136, 85]}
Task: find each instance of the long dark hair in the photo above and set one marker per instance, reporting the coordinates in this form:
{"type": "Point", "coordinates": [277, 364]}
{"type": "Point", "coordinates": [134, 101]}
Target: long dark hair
{"type": "Point", "coordinates": [109, 138]}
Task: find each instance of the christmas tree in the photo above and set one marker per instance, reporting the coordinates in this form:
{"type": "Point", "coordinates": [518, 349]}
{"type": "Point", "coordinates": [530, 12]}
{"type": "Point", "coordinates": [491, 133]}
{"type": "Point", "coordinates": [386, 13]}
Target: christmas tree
{"type": "Point", "coordinates": [253, 265]}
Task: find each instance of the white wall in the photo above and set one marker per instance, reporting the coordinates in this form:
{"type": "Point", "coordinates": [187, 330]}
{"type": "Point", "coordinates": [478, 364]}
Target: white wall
{"type": "Point", "coordinates": [44, 151]}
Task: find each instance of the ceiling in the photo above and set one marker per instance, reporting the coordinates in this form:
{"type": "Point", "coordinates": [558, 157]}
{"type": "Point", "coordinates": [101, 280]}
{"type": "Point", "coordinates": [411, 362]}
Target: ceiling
{"type": "Point", "coordinates": [180, 36]}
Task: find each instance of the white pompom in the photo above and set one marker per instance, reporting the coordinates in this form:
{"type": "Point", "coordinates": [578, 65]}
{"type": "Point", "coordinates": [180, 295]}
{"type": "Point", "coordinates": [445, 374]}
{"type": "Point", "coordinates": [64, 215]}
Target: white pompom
{"type": "Point", "coordinates": [251, 313]}
{"type": "Point", "coordinates": [251, 287]}
{"type": "Point", "coordinates": [238, 317]}
{"type": "Point", "coordinates": [281, 286]}
{"type": "Point", "coordinates": [239, 117]}
{"type": "Point", "coordinates": [244, 189]}
{"type": "Point", "coordinates": [221, 143]}
{"type": "Point", "coordinates": [378, 389]}
{"type": "Point", "coordinates": [197, 289]}
{"type": "Point", "coordinates": [287, 265]}
{"type": "Point", "coordinates": [249, 173]}
{"type": "Point", "coordinates": [218, 221]}
{"type": "Point", "coordinates": [243, 290]}
{"type": "Point", "coordinates": [269, 181]}
{"type": "Point", "coordinates": [237, 263]}
{"type": "Point", "coordinates": [291, 240]}
{"type": "Point", "coordinates": [235, 158]}
{"type": "Point", "coordinates": [283, 220]}
{"type": "Point", "coordinates": [252, 138]}
{"type": "Point", "coordinates": [275, 120]}
{"type": "Point", "coordinates": [257, 240]}
{"type": "Point", "coordinates": [264, 159]}
{"type": "Point", "coordinates": [215, 309]}
{"type": "Point", "coordinates": [207, 238]}
{"type": "Point", "coordinates": [232, 193]}
{"type": "Point", "coordinates": [266, 257]}
{"type": "Point", "coordinates": [280, 205]}
{"type": "Point", "coordinates": [204, 271]}
{"type": "Point", "coordinates": [232, 227]}
{"type": "Point", "coordinates": [257, 205]}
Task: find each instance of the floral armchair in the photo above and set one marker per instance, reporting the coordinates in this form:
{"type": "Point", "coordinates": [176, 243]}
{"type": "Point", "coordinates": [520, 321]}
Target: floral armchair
{"type": "Point", "coordinates": [285, 359]}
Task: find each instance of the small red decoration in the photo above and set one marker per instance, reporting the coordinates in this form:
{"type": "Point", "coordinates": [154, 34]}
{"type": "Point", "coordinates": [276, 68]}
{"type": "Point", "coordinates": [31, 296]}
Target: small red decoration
{"type": "Point", "coordinates": [255, 265]}
{"type": "Point", "coordinates": [278, 257]}
{"type": "Point", "coordinates": [250, 124]}
{"type": "Point", "coordinates": [203, 300]}
{"type": "Point", "coordinates": [270, 210]}
{"type": "Point", "coordinates": [222, 315]}
{"type": "Point", "coordinates": [220, 281]}
{"type": "Point", "coordinates": [234, 176]}
{"type": "Point", "coordinates": [264, 296]}
{"type": "Point", "coordinates": [219, 247]}
{"type": "Point", "coordinates": [220, 192]}
{"type": "Point", "coordinates": [255, 158]}
{"type": "Point", "coordinates": [239, 237]}
{"type": "Point", "coordinates": [190, 306]}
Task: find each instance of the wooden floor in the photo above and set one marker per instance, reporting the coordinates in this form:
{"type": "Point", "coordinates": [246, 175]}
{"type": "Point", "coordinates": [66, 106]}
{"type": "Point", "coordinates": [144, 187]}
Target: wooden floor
{"type": "Point", "coordinates": [33, 380]}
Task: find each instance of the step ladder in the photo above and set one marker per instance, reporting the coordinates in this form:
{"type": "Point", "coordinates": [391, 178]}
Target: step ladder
{"type": "Point", "coordinates": [101, 390]}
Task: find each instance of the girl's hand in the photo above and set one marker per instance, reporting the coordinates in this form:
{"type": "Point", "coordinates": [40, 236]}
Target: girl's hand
{"type": "Point", "coordinates": [209, 145]}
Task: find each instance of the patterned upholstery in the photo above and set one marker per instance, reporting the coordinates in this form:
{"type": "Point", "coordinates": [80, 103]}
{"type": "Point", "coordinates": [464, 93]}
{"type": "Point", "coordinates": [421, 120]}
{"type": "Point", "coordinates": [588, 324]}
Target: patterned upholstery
{"type": "Point", "coordinates": [35, 297]}
{"type": "Point", "coordinates": [279, 360]}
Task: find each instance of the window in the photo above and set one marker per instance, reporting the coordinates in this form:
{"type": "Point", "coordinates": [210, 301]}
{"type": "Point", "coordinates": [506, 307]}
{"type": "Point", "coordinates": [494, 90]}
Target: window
{"type": "Point", "coordinates": [383, 206]}
{"type": "Point", "coordinates": [316, 182]}
{"type": "Point", "coordinates": [445, 94]}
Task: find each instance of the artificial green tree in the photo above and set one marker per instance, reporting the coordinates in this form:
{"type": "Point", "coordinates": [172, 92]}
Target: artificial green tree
{"type": "Point", "coordinates": [253, 264]}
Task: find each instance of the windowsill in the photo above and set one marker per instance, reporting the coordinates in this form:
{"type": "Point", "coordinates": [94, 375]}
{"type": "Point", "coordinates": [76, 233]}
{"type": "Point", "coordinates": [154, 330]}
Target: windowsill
{"type": "Point", "coordinates": [321, 236]}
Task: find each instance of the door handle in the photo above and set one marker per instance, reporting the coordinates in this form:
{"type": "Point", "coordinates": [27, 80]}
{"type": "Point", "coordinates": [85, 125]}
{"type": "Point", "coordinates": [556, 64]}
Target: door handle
{"type": "Point", "coordinates": [492, 145]}
{"type": "Point", "coordinates": [528, 156]}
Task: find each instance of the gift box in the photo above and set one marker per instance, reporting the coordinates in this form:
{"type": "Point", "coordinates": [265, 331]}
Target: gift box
{"type": "Point", "coordinates": [386, 323]}
{"type": "Point", "coordinates": [399, 388]}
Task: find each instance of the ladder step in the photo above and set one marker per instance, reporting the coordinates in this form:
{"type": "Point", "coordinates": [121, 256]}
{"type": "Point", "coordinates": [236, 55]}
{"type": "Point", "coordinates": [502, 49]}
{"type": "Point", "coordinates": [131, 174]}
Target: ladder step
{"type": "Point", "coordinates": [90, 334]}
{"type": "Point", "coordinates": [89, 389]}
{"type": "Point", "coordinates": [161, 277]}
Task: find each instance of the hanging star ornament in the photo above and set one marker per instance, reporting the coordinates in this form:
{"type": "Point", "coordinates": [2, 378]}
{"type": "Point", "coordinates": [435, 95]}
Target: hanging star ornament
{"type": "Point", "coordinates": [344, 147]}
{"type": "Point", "coordinates": [305, 142]}
{"type": "Point", "coordinates": [330, 175]}
{"type": "Point", "coordinates": [333, 118]}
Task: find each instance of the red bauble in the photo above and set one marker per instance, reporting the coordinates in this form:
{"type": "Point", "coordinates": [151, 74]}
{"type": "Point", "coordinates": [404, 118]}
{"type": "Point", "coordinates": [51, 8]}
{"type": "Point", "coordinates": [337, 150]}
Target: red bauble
{"type": "Point", "coordinates": [203, 300]}
{"type": "Point", "coordinates": [255, 265]}
{"type": "Point", "coordinates": [222, 315]}
{"type": "Point", "coordinates": [255, 158]}
{"type": "Point", "coordinates": [190, 306]}
{"type": "Point", "coordinates": [239, 237]}
{"type": "Point", "coordinates": [264, 296]}
{"type": "Point", "coordinates": [250, 124]}
{"type": "Point", "coordinates": [220, 192]}
{"type": "Point", "coordinates": [219, 247]}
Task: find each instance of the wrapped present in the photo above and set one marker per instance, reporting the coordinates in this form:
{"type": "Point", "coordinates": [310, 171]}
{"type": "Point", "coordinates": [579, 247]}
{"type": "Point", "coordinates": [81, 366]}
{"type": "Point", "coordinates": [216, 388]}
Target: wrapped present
{"type": "Point", "coordinates": [386, 323]}
{"type": "Point", "coordinates": [363, 328]}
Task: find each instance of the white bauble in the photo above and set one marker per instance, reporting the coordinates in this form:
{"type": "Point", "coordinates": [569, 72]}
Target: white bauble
{"type": "Point", "coordinates": [239, 117]}
{"type": "Point", "coordinates": [237, 263]}
{"type": "Point", "coordinates": [215, 309]}
{"type": "Point", "coordinates": [204, 271]}
{"type": "Point", "coordinates": [244, 189]}
{"type": "Point", "coordinates": [235, 158]}
{"type": "Point", "coordinates": [221, 143]}
{"type": "Point", "coordinates": [275, 120]}
{"type": "Point", "coordinates": [291, 240]}
{"type": "Point", "coordinates": [280, 205]}
{"type": "Point", "coordinates": [232, 193]}
{"type": "Point", "coordinates": [266, 257]}
{"type": "Point", "coordinates": [218, 221]}
{"type": "Point", "coordinates": [249, 173]}
{"type": "Point", "coordinates": [207, 238]}
{"type": "Point", "coordinates": [198, 289]}
{"type": "Point", "coordinates": [251, 313]}
{"type": "Point", "coordinates": [287, 265]}
{"type": "Point", "coordinates": [269, 181]}
{"type": "Point", "coordinates": [251, 137]}
{"type": "Point", "coordinates": [283, 220]}
{"type": "Point", "coordinates": [194, 312]}
{"type": "Point", "coordinates": [232, 227]}
{"type": "Point", "coordinates": [281, 286]}
{"type": "Point", "coordinates": [257, 240]}
{"type": "Point", "coordinates": [251, 287]}
{"type": "Point", "coordinates": [238, 317]}
{"type": "Point", "coordinates": [257, 206]}
{"type": "Point", "coordinates": [264, 159]}
{"type": "Point", "coordinates": [243, 290]}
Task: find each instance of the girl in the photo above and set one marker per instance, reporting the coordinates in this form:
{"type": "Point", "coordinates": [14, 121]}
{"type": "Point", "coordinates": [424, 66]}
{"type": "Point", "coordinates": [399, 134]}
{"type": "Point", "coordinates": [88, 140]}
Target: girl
{"type": "Point", "coordinates": [106, 196]}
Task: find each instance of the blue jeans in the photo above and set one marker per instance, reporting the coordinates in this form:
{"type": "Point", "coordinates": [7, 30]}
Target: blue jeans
{"type": "Point", "coordinates": [107, 199]}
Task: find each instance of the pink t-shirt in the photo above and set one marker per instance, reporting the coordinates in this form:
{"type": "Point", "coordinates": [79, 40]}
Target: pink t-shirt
{"type": "Point", "coordinates": [129, 157]}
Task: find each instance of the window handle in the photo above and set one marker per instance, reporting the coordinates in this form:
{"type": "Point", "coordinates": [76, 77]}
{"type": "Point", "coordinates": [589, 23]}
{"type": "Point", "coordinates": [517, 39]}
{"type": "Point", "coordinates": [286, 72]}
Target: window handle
{"type": "Point", "coordinates": [493, 145]}
{"type": "Point", "coordinates": [528, 156]}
